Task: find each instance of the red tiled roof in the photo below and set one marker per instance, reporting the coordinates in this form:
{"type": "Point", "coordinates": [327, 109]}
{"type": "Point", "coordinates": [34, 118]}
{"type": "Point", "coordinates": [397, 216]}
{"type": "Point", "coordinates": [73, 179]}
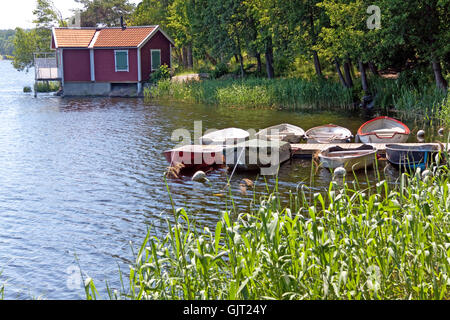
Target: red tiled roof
{"type": "Point", "coordinates": [129, 37]}
{"type": "Point", "coordinates": [73, 38]}
{"type": "Point", "coordinates": [102, 38]}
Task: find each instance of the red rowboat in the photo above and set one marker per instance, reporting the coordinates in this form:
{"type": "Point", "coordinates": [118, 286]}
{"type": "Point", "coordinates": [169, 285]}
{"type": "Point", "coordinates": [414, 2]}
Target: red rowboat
{"type": "Point", "coordinates": [195, 156]}
{"type": "Point", "coordinates": [383, 130]}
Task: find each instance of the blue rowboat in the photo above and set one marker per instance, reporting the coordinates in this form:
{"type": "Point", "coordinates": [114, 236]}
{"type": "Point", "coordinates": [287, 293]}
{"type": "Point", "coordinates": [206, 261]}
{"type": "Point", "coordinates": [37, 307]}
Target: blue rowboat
{"type": "Point", "coordinates": [411, 157]}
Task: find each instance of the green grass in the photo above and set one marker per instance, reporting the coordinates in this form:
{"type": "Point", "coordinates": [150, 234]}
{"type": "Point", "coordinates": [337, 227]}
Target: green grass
{"type": "Point", "coordinates": [301, 94]}
{"type": "Point", "coordinates": [445, 111]}
{"type": "Point", "coordinates": [406, 98]}
{"type": "Point", "coordinates": [257, 93]}
{"type": "Point", "coordinates": [347, 243]}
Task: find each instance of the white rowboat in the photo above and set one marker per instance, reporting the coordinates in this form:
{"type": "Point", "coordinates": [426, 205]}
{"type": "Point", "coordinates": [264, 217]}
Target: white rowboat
{"type": "Point", "coordinates": [351, 159]}
{"type": "Point", "coordinates": [229, 136]}
{"type": "Point", "coordinates": [329, 133]}
{"type": "Point", "coordinates": [257, 154]}
{"type": "Point", "coordinates": [282, 132]}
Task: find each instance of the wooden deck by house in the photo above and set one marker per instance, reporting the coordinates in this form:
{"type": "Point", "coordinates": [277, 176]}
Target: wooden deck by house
{"type": "Point", "coordinates": [307, 150]}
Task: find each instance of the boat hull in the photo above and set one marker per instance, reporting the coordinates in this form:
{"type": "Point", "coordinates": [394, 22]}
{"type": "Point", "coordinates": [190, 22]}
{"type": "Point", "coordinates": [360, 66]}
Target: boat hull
{"type": "Point", "coordinates": [229, 136]}
{"type": "Point", "coordinates": [322, 141]}
{"type": "Point", "coordinates": [329, 133]}
{"type": "Point", "coordinates": [257, 155]}
{"type": "Point", "coordinates": [195, 156]}
{"type": "Point", "coordinates": [411, 157]}
{"type": "Point", "coordinates": [373, 138]}
{"type": "Point", "coordinates": [283, 132]}
{"type": "Point", "coordinates": [350, 159]}
{"type": "Point", "coordinates": [383, 130]}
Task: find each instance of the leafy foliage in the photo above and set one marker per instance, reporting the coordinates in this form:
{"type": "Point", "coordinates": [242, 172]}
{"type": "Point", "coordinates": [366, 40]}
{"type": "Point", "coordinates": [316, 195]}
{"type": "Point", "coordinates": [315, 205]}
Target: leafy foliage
{"type": "Point", "coordinates": [104, 12]}
{"type": "Point", "coordinates": [162, 73]}
{"type": "Point", "coordinates": [7, 42]}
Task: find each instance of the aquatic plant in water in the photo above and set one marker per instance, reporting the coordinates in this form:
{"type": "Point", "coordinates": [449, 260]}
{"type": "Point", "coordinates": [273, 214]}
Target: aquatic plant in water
{"type": "Point", "coordinates": [381, 243]}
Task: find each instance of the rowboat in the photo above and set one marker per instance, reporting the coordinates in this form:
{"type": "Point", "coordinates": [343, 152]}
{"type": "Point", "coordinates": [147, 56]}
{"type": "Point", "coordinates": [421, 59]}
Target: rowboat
{"type": "Point", "coordinates": [383, 130]}
{"type": "Point", "coordinates": [329, 133]}
{"type": "Point", "coordinates": [223, 137]}
{"type": "Point", "coordinates": [195, 156]}
{"type": "Point", "coordinates": [257, 154]}
{"type": "Point", "coordinates": [348, 158]}
{"type": "Point", "coordinates": [282, 132]}
{"type": "Point", "coordinates": [411, 157]}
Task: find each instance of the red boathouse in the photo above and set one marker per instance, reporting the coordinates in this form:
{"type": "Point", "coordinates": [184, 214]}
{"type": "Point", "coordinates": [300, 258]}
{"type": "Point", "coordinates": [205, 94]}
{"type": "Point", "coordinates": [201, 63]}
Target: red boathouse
{"type": "Point", "coordinates": [96, 61]}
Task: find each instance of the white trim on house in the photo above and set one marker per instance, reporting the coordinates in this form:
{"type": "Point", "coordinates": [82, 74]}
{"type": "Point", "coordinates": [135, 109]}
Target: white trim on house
{"type": "Point", "coordinates": [128, 61]}
{"type": "Point", "coordinates": [151, 58]}
{"type": "Point", "coordinates": [94, 40]}
{"type": "Point", "coordinates": [139, 84]}
{"type": "Point", "coordinates": [54, 39]}
{"type": "Point", "coordinates": [139, 65]}
{"type": "Point", "coordinates": [62, 68]}
{"type": "Point", "coordinates": [91, 58]}
{"type": "Point", "coordinates": [170, 52]}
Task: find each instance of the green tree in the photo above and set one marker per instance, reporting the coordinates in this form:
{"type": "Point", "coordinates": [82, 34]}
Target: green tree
{"type": "Point", "coordinates": [6, 42]}
{"type": "Point", "coordinates": [423, 27]}
{"type": "Point", "coordinates": [97, 13]}
{"type": "Point", "coordinates": [27, 42]}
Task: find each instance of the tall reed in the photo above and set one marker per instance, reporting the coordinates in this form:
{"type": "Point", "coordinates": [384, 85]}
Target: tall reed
{"type": "Point", "coordinates": [293, 93]}
{"type": "Point", "coordinates": [347, 243]}
{"type": "Point", "coordinates": [257, 93]}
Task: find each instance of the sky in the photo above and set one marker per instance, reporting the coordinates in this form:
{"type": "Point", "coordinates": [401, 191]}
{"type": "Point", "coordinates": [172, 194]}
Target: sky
{"type": "Point", "coordinates": [18, 13]}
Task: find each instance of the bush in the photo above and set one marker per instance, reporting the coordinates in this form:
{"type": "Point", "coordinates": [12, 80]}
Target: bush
{"type": "Point", "coordinates": [220, 70]}
{"type": "Point", "coordinates": [48, 86]}
{"type": "Point", "coordinates": [163, 73]}
{"type": "Point", "coordinates": [27, 89]}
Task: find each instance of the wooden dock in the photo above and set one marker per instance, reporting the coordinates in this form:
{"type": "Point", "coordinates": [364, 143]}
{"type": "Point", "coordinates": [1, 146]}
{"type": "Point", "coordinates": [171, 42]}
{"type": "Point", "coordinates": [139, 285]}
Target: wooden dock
{"type": "Point", "coordinates": [308, 149]}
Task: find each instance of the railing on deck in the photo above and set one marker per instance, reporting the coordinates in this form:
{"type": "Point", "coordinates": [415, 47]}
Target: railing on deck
{"type": "Point", "coordinates": [46, 66]}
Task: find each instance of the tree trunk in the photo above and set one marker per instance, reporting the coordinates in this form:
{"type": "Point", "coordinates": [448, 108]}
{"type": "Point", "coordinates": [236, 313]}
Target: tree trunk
{"type": "Point", "coordinates": [179, 55]}
{"type": "Point", "coordinates": [210, 59]}
{"type": "Point", "coordinates": [259, 66]}
{"type": "Point", "coordinates": [241, 59]}
{"type": "Point", "coordinates": [338, 69]}
{"type": "Point", "coordinates": [348, 74]}
{"type": "Point", "coordinates": [184, 58]}
{"type": "Point", "coordinates": [317, 65]}
{"type": "Point", "coordinates": [362, 70]}
{"type": "Point", "coordinates": [269, 59]}
{"type": "Point", "coordinates": [190, 58]}
{"type": "Point", "coordinates": [437, 70]}
{"type": "Point", "coordinates": [374, 69]}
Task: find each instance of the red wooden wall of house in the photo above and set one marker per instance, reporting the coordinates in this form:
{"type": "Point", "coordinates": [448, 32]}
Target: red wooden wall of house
{"type": "Point", "coordinates": [77, 65]}
{"type": "Point", "coordinates": [105, 71]}
{"type": "Point", "coordinates": [158, 41]}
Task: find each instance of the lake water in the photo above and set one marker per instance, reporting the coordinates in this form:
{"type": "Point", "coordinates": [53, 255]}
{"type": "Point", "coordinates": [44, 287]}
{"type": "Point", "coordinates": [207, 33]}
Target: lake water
{"type": "Point", "coordinates": [84, 177]}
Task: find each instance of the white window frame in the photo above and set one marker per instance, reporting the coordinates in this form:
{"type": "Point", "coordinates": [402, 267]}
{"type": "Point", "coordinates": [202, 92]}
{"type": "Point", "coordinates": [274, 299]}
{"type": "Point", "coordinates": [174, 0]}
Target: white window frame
{"type": "Point", "coordinates": [151, 58]}
{"type": "Point", "coordinates": [115, 60]}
